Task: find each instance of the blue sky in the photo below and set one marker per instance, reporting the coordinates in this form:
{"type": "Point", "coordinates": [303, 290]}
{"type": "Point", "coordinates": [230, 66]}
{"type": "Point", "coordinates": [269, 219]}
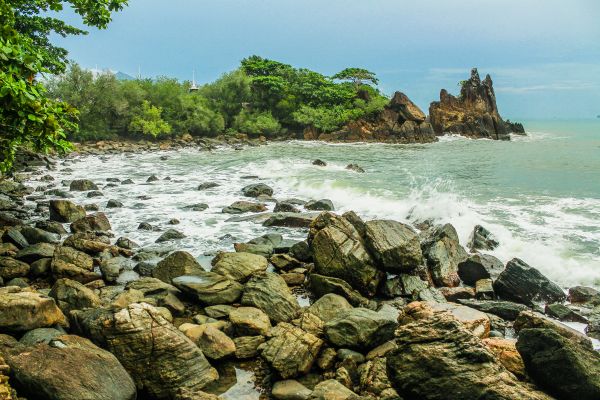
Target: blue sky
{"type": "Point", "coordinates": [543, 55]}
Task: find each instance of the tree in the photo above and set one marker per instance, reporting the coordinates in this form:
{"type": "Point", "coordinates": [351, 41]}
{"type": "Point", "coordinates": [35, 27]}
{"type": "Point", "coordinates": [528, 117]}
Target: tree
{"type": "Point", "coordinates": [358, 76]}
{"type": "Point", "coordinates": [27, 115]}
{"type": "Point", "coordinates": [148, 121]}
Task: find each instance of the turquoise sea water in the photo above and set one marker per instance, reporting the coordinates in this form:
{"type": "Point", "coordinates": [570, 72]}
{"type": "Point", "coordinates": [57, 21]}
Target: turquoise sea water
{"type": "Point", "coordinates": [539, 193]}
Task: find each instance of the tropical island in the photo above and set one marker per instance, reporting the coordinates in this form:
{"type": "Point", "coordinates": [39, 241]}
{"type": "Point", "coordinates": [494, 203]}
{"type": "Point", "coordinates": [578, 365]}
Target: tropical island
{"type": "Point", "coordinates": [276, 234]}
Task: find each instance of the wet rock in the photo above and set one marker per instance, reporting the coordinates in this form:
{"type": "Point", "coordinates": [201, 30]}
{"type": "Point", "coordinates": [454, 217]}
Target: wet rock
{"type": "Point", "coordinates": [438, 358]}
{"type": "Point", "coordinates": [269, 292]}
{"type": "Point", "coordinates": [65, 211]}
{"type": "Point", "coordinates": [456, 293]}
{"type": "Point", "coordinates": [293, 278]}
{"type": "Point", "coordinates": [207, 185]}
{"type": "Point", "coordinates": [484, 289]}
{"type": "Point", "coordinates": [290, 390]}
{"type": "Point", "coordinates": [196, 207]}
{"type": "Point", "coordinates": [285, 262]}
{"type": "Point", "coordinates": [563, 313]}
{"type": "Point", "coordinates": [504, 309]}
{"type": "Point", "coordinates": [320, 205]}
{"type": "Point", "coordinates": [524, 284]}
{"type": "Point", "coordinates": [152, 287]}
{"type": "Point", "coordinates": [247, 346]}
{"type": "Point", "coordinates": [82, 185]}
{"type": "Point", "coordinates": [283, 206]}
{"type": "Point", "coordinates": [111, 268]}
{"type": "Point", "coordinates": [564, 368]}
{"type": "Point", "coordinates": [329, 307]}
{"type": "Point", "coordinates": [112, 203]}
{"type": "Point", "coordinates": [11, 268]}
{"type": "Point", "coordinates": [360, 328]}
{"type": "Point", "coordinates": [250, 321]}
{"type": "Point", "coordinates": [593, 327]}
{"type": "Point", "coordinates": [126, 243]}
{"type": "Point", "coordinates": [215, 344]}
{"type": "Point", "coordinates": [256, 190]}
{"type": "Point", "coordinates": [15, 237]}
{"type": "Point", "coordinates": [395, 245]}
{"type": "Point", "coordinates": [23, 310]}
{"type": "Point", "coordinates": [68, 262]}
{"type": "Point", "coordinates": [332, 389]}
{"type": "Point", "coordinates": [51, 226]}
{"type": "Point", "coordinates": [209, 288]}
{"type": "Point", "coordinates": [40, 335]}
{"type": "Point", "coordinates": [475, 321]}
{"type": "Point", "coordinates": [238, 266]}
{"type": "Point", "coordinates": [374, 380]}
{"type": "Point", "coordinates": [91, 223]}
{"type": "Point", "coordinates": [479, 266]}
{"type": "Point", "coordinates": [290, 350]}
{"type": "Point", "coordinates": [443, 253]}
{"type": "Point", "coordinates": [301, 251]}
{"type": "Point", "coordinates": [218, 311]}
{"type": "Point", "coordinates": [35, 252]}
{"type": "Point", "coordinates": [68, 367]}
{"type": "Point", "coordinates": [355, 168]}
{"type": "Point", "coordinates": [482, 239]}
{"type": "Point", "coordinates": [144, 226]}
{"type": "Point", "coordinates": [36, 235]}
{"type": "Point", "coordinates": [319, 163]}
{"type": "Point", "coordinates": [71, 295]}
{"type": "Point", "coordinates": [582, 294]}
{"type": "Point", "coordinates": [289, 220]}
{"type": "Point", "coordinates": [533, 320]}
{"type": "Point", "coordinates": [127, 182]}
{"type": "Point", "coordinates": [152, 178]}
{"type": "Point", "coordinates": [95, 193]}
{"type": "Point", "coordinates": [170, 234]}
{"type": "Point", "coordinates": [240, 207]}
{"type": "Point", "coordinates": [320, 285]}
{"type": "Point", "coordinates": [161, 360]}
{"type": "Point", "coordinates": [176, 264]}
{"type": "Point", "coordinates": [339, 252]}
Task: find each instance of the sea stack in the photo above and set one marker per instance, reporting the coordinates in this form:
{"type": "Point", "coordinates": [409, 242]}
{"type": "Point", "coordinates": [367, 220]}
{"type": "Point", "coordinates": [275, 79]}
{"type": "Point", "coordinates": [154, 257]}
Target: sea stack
{"type": "Point", "coordinates": [473, 113]}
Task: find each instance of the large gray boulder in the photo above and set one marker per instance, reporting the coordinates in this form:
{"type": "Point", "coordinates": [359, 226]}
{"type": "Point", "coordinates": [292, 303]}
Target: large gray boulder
{"type": "Point", "coordinates": [524, 284]}
{"type": "Point", "coordinates": [360, 328]}
{"type": "Point", "coordinates": [394, 245]}
{"type": "Point", "coordinates": [176, 264]}
{"type": "Point", "coordinates": [239, 266]}
{"type": "Point", "coordinates": [564, 368]}
{"type": "Point", "coordinates": [67, 368]}
{"type": "Point", "coordinates": [209, 288]}
{"type": "Point", "coordinates": [339, 251]}
{"type": "Point", "coordinates": [479, 266]}
{"type": "Point", "coordinates": [256, 190]}
{"type": "Point", "coordinates": [161, 360]}
{"type": "Point", "coordinates": [269, 292]}
{"type": "Point", "coordinates": [443, 253]}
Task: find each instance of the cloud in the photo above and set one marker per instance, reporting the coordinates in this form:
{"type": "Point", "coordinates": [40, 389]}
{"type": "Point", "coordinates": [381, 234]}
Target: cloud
{"type": "Point", "coordinates": [555, 86]}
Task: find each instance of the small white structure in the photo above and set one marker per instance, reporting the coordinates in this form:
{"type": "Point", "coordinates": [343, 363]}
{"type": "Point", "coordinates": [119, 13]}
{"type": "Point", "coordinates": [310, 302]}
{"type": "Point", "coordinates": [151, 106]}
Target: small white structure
{"type": "Point", "coordinates": [193, 88]}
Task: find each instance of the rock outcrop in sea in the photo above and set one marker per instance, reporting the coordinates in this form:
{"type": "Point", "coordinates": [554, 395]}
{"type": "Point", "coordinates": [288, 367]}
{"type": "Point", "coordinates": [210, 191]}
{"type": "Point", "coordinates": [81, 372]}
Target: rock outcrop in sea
{"type": "Point", "coordinates": [473, 113]}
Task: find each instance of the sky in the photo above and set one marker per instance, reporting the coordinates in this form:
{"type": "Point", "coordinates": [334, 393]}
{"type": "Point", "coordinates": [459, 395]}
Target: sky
{"type": "Point", "coordinates": [543, 55]}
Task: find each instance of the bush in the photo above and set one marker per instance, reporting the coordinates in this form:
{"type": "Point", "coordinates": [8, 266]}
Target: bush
{"type": "Point", "coordinates": [256, 123]}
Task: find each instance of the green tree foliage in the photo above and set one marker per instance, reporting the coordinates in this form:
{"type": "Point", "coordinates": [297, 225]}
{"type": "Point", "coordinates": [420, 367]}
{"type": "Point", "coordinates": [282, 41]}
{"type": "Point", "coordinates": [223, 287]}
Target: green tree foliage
{"type": "Point", "coordinates": [27, 116]}
{"type": "Point", "coordinates": [148, 121]}
{"type": "Point", "coordinates": [198, 118]}
{"type": "Point", "coordinates": [256, 123]}
{"type": "Point", "coordinates": [358, 76]}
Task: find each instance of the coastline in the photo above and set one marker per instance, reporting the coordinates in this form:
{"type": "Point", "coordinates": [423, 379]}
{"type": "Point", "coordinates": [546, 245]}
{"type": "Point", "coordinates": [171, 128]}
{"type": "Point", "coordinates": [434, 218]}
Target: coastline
{"type": "Point", "coordinates": [429, 302]}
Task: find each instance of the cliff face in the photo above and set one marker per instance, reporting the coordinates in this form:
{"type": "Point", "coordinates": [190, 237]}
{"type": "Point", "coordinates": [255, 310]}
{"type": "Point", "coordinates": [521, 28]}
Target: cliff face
{"type": "Point", "coordinates": [474, 113]}
{"type": "Point", "coordinates": [401, 121]}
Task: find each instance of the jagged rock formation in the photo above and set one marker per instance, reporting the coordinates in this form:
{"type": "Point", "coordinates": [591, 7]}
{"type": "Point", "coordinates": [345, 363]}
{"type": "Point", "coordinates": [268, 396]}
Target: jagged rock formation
{"type": "Point", "coordinates": [401, 121]}
{"type": "Point", "coordinates": [474, 113]}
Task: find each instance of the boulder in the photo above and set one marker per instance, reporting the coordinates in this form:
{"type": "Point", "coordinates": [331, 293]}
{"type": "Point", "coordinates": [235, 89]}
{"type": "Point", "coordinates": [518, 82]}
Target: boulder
{"type": "Point", "coordinates": [290, 389]}
{"type": "Point", "coordinates": [332, 390]}
{"type": "Point", "coordinates": [239, 266]}
{"type": "Point", "coordinates": [564, 368]}
{"type": "Point", "coordinates": [51, 226]}
{"type": "Point", "coordinates": [91, 223]}
{"type": "Point", "coordinates": [320, 285]}
{"type": "Point", "coordinates": [284, 206]}
{"type": "Point", "coordinates": [360, 328]}
{"type": "Point", "coordinates": [256, 190]}
{"type": "Point", "coordinates": [563, 313]}
{"type": "Point", "coordinates": [40, 335]}
{"type": "Point", "coordinates": [37, 235]}
{"type": "Point", "coordinates": [443, 253]}
{"type": "Point", "coordinates": [394, 245]}
{"type": "Point", "coordinates": [290, 350]}
{"type": "Point", "coordinates": [161, 360]}
{"type": "Point", "coordinates": [533, 320]}
{"type": "Point", "coordinates": [479, 266]}
{"type": "Point", "coordinates": [247, 346]}
{"type": "Point", "coordinates": [82, 185]}
{"type": "Point", "coordinates": [329, 307]}
{"type": "Point", "coordinates": [215, 344]}
{"type": "Point", "coordinates": [73, 264]}
{"type": "Point", "coordinates": [14, 236]}
{"type": "Point", "coordinates": [439, 358]}
{"type": "Point", "coordinates": [374, 380]}
{"type": "Point", "coordinates": [176, 264]}
{"type": "Point", "coordinates": [22, 310]}
{"type": "Point", "coordinates": [250, 321]}
{"type": "Point", "coordinates": [170, 234]}
{"type": "Point", "coordinates": [71, 295]}
{"type": "Point", "coordinates": [269, 292]}
{"type": "Point", "coordinates": [111, 268]}
{"type": "Point", "coordinates": [319, 205]}
{"type": "Point", "coordinates": [524, 284]}
{"type": "Point", "coordinates": [65, 211]}
{"type": "Point", "coordinates": [240, 207]}
{"type": "Point", "coordinates": [482, 239]}
{"type": "Point", "coordinates": [11, 268]}
{"type": "Point", "coordinates": [582, 294]}
{"type": "Point", "coordinates": [475, 321]}
{"type": "Point", "coordinates": [35, 252]}
{"type": "Point", "coordinates": [289, 220]}
{"type": "Point", "coordinates": [339, 252]}
{"type": "Point", "coordinates": [209, 288]}
{"type": "Point", "coordinates": [67, 368]}
{"type": "Point", "coordinates": [112, 203]}
{"type": "Point", "coordinates": [504, 309]}
{"type": "Point", "coordinates": [506, 352]}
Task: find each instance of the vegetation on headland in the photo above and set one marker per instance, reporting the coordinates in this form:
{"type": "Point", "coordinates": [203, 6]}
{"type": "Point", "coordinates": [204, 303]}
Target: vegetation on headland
{"type": "Point", "coordinates": [28, 116]}
{"type": "Point", "coordinates": [261, 98]}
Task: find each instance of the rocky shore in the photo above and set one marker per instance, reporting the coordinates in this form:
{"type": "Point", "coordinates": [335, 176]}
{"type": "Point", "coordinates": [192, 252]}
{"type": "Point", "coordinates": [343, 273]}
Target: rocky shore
{"type": "Point", "coordinates": [395, 311]}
